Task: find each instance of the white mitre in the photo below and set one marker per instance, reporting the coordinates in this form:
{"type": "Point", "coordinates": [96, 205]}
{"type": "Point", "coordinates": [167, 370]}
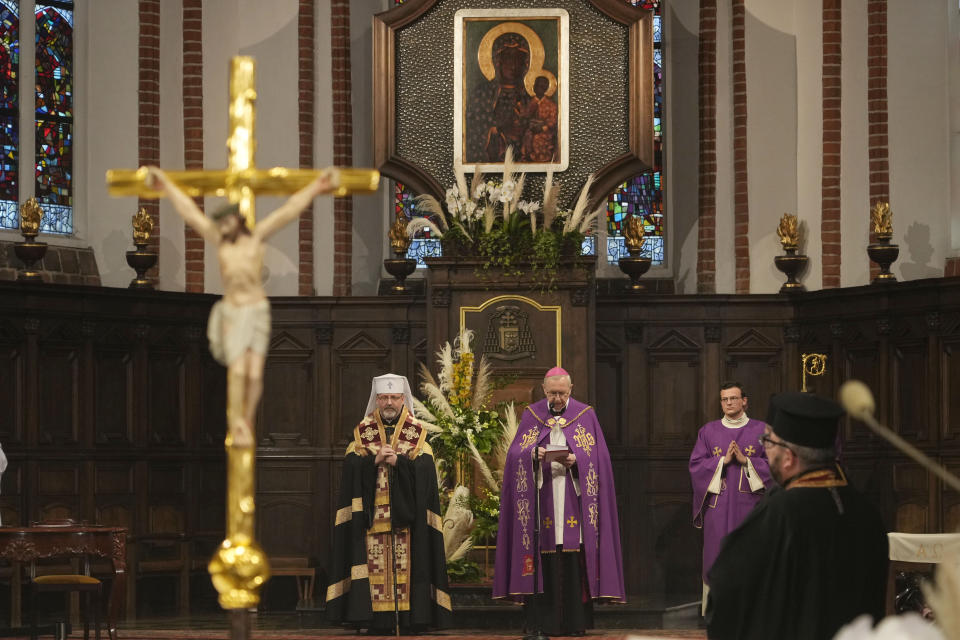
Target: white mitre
{"type": "Point", "coordinates": [390, 383]}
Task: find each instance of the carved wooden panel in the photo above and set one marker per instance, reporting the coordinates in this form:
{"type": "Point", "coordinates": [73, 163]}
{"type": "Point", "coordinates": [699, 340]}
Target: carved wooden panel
{"type": "Point", "coordinates": [861, 363]}
{"type": "Point", "coordinates": [211, 497]}
{"type": "Point", "coordinates": [11, 394]}
{"type": "Point", "coordinates": [951, 502]}
{"type": "Point", "coordinates": [213, 402]}
{"type": "Point", "coordinates": [284, 477]}
{"type": "Point", "coordinates": [116, 514]}
{"type": "Point", "coordinates": [949, 383]}
{"type": "Point", "coordinates": [166, 518]}
{"type": "Point", "coordinates": [62, 479]}
{"type": "Point", "coordinates": [294, 538]}
{"type": "Point", "coordinates": [755, 360]}
{"type": "Point", "coordinates": [166, 478]}
{"type": "Point", "coordinates": [11, 498]}
{"type": "Point", "coordinates": [674, 362]}
{"type": "Point", "coordinates": [910, 415]}
{"type": "Point", "coordinates": [113, 396]}
{"type": "Point", "coordinates": [675, 554]}
{"type": "Point", "coordinates": [113, 478]}
{"type": "Point", "coordinates": [911, 484]}
{"type": "Point", "coordinates": [286, 411]}
{"type": "Point", "coordinates": [358, 360]}
{"type": "Point", "coordinates": [609, 391]}
{"type": "Point", "coordinates": [166, 413]}
{"type": "Point", "coordinates": [59, 392]}
{"type": "Point", "coordinates": [912, 518]}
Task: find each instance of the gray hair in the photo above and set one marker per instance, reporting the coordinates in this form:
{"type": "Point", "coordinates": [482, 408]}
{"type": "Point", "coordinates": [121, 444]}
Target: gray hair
{"type": "Point", "coordinates": [814, 456]}
{"type": "Point", "coordinates": [565, 377]}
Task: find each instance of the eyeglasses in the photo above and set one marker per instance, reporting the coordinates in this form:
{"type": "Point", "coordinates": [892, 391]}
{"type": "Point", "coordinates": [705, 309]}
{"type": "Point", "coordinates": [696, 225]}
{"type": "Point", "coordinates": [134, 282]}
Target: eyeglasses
{"type": "Point", "coordinates": [731, 399]}
{"type": "Point", "coordinates": [768, 442]}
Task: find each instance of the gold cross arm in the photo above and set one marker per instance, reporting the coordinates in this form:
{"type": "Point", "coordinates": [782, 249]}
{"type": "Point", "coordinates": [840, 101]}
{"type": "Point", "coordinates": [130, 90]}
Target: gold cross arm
{"type": "Point", "coordinates": [276, 181]}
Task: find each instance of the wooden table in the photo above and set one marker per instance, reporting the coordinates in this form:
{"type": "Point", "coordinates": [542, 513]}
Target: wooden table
{"type": "Point", "coordinates": [23, 544]}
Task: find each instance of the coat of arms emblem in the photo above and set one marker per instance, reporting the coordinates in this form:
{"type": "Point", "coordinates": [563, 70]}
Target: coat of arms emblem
{"type": "Point", "coordinates": [508, 335]}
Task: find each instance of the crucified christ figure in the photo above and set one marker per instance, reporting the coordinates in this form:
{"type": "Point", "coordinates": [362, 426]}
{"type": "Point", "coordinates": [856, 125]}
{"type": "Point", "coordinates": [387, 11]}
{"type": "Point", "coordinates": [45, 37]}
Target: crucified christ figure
{"type": "Point", "coordinates": [239, 325]}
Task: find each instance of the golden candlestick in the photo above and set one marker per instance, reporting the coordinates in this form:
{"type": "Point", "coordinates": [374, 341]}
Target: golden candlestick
{"type": "Point", "coordinates": [814, 364]}
{"type": "Point", "coordinates": [240, 567]}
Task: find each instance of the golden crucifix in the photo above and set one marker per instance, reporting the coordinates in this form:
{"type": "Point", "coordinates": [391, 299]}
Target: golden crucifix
{"type": "Point", "coordinates": [239, 324]}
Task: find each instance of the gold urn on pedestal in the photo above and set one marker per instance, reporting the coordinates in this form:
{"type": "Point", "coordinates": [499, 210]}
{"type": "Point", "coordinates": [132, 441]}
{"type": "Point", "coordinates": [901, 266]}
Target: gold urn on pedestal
{"type": "Point", "coordinates": [141, 259]}
{"type": "Point", "coordinates": [882, 252]}
{"type": "Point", "coordinates": [634, 265]}
{"type": "Point", "coordinates": [30, 251]}
{"type": "Point", "coordinates": [400, 266]}
{"type": "Point", "coordinates": [792, 263]}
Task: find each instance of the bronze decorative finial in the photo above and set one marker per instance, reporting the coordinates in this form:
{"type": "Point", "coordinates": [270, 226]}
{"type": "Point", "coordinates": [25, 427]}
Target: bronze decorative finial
{"type": "Point", "coordinates": [633, 233]}
{"type": "Point", "coordinates": [881, 220]}
{"type": "Point", "coordinates": [881, 251]}
{"type": "Point", "coordinates": [814, 364]}
{"type": "Point", "coordinates": [790, 264]}
{"type": "Point", "coordinates": [30, 216]}
{"type": "Point", "coordinates": [142, 227]}
{"type": "Point", "coordinates": [789, 232]}
{"type": "Point", "coordinates": [30, 251]}
{"type": "Point", "coordinates": [399, 240]}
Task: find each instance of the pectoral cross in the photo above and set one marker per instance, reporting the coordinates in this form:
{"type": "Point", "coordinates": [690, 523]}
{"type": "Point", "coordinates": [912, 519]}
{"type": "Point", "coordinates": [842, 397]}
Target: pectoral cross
{"type": "Point", "coordinates": [240, 567]}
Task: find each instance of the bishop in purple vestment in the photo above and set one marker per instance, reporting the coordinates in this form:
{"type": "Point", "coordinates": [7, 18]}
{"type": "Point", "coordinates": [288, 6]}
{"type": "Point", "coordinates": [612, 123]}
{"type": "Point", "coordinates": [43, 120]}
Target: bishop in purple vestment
{"type": "Point", "coordinates": [579, 530]}
{"type": "Point", "coordinates": [728, 469]}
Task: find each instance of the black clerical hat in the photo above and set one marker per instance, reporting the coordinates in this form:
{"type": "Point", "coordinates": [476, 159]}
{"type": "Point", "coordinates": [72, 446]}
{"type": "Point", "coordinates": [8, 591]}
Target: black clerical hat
{"type": "Point", "coordinates": [804, 419]}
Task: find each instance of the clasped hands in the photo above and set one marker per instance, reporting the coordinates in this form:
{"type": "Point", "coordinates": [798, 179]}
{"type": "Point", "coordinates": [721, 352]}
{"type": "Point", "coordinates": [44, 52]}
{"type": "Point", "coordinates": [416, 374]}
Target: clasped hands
{"type": "Point", "coordinates": [733, 452]}
{"type": "Point", "coordinates": [567, 462]}
{"type": "Point", "coordinates": [386, 454]}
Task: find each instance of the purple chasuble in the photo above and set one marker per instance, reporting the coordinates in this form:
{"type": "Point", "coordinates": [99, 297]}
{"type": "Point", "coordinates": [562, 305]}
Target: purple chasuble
{"type": "Point", "coordinates": [720, 514]}
{"type": "Point", "coordinates": [592, 514]}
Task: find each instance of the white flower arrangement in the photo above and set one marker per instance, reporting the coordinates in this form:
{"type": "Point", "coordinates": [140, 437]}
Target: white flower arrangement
{"type": "Point", "coordinates": [477, 209]}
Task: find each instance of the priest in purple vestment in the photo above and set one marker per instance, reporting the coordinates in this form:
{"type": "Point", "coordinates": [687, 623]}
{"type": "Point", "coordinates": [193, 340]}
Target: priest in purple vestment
{"type": "Point", "coordinates": [728, 470]}
{"type": "Point", "coordinates": [580, 560]}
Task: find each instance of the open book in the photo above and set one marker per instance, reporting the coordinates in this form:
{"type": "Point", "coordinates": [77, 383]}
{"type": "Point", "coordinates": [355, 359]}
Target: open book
{"type": "Point", "coordinates": [555, 452]}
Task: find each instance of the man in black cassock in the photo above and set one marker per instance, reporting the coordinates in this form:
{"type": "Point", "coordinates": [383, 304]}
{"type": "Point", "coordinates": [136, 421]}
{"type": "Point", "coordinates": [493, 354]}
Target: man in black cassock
{"type": "Point", "coordinates": [812, 555]}
{"type": "Point", "coordinates": [388, 536]}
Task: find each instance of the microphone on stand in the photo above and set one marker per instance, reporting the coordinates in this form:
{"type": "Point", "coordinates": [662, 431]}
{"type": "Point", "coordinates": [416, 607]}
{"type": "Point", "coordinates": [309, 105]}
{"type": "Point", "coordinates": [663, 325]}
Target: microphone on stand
{"type": "Point", "coordinates": [858, 401]}
{"type": "Point", "coordinates": [537, 632]}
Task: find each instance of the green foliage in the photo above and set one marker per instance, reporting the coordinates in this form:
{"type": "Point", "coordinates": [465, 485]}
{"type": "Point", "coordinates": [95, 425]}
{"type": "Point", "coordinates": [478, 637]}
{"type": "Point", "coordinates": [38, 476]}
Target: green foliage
{"type": "Point", "coordinates": [463, 570]}
{"type": "Point", "coordinates": [486, 516]}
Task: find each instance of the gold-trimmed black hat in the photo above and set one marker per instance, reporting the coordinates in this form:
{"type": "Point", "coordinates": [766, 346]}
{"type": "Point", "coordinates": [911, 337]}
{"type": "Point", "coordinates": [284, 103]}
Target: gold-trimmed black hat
{"type": "Point", "coordinates": [804, 419]}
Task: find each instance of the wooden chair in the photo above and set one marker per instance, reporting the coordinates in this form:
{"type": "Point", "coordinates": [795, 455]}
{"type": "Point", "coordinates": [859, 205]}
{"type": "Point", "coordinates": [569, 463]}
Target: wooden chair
{"type": "Point", "coordinates": [916, 552]}
{"type": "Point", "coordinates": [164, 552]}
{"type": "Point", "coordinates": [299, 568]}
{"type": "Point", "coordinates": [83, 583]}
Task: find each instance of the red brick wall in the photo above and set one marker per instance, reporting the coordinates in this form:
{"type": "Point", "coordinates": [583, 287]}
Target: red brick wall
{"type": "Point", "coordinates": [193, 129]}
{"type": "Point", "coordinates": [877, 109]}
{"type": "Point", "coordinates": [952, 267]}
{"type": "Point", "coordinates": [306, 90]}
{"type": "Point", "coordinates": [707, 189]}
{"type": "Point", "coordinates": [741, 203]}
{"type": "Point", "coordinates": [830, 177]}
{"type": "Point", "coordinates": [148, 109]}
{"type": "Point", "coordinates": [342, 143]}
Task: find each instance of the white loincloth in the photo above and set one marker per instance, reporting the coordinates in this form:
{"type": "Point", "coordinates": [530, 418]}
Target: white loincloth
{"type": "Point", "coordinates": [249, 329]}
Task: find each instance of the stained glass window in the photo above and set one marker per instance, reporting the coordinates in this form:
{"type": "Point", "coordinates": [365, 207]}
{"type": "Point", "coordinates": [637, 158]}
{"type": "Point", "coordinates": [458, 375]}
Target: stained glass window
{"type": "Point", "coordinates": [642, 195]}
{"type": "Point", "coordinates": [424, 244]}
{"type": "Point", "coordinates": [54, 107]}
{"type": "Point", "coordinates": [9, 113]}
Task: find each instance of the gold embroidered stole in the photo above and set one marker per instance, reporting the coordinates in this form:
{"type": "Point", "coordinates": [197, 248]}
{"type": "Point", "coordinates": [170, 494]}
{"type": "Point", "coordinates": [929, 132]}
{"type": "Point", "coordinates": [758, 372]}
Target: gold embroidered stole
{"type": "Point", "coordinates": [409, 439]}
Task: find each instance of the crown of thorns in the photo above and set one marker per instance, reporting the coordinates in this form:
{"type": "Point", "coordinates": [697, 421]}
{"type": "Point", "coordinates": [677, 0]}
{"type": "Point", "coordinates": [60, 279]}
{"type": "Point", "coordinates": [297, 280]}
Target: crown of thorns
{"type": "Point", "coordinates": [227, 210]}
